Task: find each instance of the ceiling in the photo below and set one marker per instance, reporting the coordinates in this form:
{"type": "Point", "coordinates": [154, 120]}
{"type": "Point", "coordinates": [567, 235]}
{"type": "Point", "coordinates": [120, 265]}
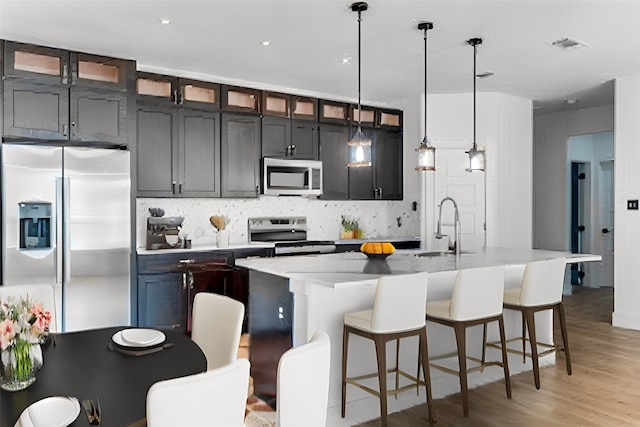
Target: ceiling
{"type": "Point", "coordinates": [220, 40]}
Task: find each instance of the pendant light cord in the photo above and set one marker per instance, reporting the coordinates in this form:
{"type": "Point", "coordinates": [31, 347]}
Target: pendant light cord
{"type": "Point", "coordinates": [475, 54]}
{"type": "Point", "coordinates": [425, 85]}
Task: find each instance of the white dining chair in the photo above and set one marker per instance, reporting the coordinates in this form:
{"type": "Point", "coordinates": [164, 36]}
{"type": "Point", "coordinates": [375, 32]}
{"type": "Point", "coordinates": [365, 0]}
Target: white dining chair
{"type": "Point", "coordinates": [303, 384]}
{"type": "Point", "coordinates": [476, 300]}
{"type": "Point", "coordinates": [42, 293]}
{"type": "Point", "coordinates": [217, 327]}
{"type": "Point", "coordinates": [217, 397]}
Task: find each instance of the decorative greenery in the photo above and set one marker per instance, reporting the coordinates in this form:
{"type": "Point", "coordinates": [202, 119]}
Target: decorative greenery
{"type": "Point", "coordinates": [349, 223]}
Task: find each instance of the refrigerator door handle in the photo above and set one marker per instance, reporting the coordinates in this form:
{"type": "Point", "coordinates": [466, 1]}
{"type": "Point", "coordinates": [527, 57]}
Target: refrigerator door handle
{"type": "Point", "coordinates": [58, 233]}
{"type": "Point", "coordinates": [63, 251]}
{"type": "Point", "coordinates": [67, 231]}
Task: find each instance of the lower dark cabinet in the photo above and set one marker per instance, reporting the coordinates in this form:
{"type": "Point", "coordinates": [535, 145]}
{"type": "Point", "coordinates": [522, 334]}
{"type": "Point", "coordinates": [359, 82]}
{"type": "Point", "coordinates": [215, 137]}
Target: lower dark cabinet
{"type": "Point", "coordinates": [161, 301]}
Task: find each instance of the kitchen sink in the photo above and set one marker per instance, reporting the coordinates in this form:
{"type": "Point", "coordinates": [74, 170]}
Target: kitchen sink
{"type": "Point", "coordinates": [443, 253]}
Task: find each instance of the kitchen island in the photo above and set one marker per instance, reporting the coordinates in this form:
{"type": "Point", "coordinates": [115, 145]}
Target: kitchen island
{"type": "Point", "coordinates": [302, 294]}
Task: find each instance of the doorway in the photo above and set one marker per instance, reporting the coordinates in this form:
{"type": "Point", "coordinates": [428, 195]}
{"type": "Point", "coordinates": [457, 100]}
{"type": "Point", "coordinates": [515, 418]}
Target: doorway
{"type": "Point", "coordinates": [592, 206]}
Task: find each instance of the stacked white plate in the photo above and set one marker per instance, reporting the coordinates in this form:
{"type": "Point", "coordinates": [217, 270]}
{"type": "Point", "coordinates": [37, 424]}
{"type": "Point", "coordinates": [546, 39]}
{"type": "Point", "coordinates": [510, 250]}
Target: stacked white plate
{"type": "Point", "coordinates": [138, 337]}
{"type": "Point", "coordinates": [56, 411]}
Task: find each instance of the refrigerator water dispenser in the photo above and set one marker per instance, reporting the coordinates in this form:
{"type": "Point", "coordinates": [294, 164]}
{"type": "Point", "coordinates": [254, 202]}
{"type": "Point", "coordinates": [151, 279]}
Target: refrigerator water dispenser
{"type": "Point", "coordinates": [35, 225]}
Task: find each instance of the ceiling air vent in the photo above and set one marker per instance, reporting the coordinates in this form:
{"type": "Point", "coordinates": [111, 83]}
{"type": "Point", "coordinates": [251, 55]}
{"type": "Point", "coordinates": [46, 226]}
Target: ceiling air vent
{"type": "Point", "coordinates": [570, 44]}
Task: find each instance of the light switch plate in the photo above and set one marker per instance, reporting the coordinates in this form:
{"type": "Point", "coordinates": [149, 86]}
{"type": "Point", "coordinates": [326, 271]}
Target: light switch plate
{"type": "Point", "coordinates": [632, 205]}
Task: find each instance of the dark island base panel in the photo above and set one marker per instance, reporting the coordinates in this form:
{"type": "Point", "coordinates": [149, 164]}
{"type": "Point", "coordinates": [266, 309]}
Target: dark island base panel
{"type": "Point", "coordinates": [403, 244]}
{"type": "Point", "coordinates": [264, 354]}
{"type": "Point", "coordinates": [271, 330]}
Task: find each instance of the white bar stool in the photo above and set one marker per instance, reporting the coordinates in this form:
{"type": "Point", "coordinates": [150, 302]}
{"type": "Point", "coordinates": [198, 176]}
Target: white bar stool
{"type": "Point", "coordinates": [476, 299]}
{"type": "Point", "coordinates": [398, 312]}
{"type": "Point", "coordinates": [541, 290]}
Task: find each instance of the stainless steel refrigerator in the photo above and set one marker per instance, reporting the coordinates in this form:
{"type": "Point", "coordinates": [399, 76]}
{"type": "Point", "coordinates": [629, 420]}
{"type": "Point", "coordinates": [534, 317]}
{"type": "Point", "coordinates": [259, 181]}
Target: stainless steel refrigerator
{"type": "Point", "coordinates": [66, 221]}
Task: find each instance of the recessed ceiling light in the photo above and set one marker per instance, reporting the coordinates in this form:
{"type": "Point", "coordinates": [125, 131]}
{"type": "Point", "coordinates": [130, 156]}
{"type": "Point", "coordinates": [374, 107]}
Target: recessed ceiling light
{"type": "Point", "coordinates": [165, 21]}
{"type": "Point", "coordinates": [265, 43]}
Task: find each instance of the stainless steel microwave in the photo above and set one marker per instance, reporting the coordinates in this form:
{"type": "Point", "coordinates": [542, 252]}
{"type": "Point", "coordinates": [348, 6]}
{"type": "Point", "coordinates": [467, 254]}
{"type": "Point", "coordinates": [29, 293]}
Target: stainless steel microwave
{"type": "Point", "coordinates": [292, 177]}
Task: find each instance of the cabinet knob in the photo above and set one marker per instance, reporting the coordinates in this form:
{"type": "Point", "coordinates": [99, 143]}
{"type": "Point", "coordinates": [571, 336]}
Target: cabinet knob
{"type": "Point", "coordinates": [180, 188]}
{"type": "Point", "coordinates": [173, 187]}
{"type": "Point", "coordinates": [64, 129]}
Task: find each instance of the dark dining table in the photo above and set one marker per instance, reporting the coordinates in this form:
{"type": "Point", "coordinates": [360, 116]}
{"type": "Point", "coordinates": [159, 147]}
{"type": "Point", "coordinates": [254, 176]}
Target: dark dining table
{"type": "Point", "coordinates": [82, 364]}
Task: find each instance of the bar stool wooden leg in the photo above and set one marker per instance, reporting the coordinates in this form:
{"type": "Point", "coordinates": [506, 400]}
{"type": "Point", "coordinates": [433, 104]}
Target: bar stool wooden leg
{"type": "Point", "coordinates": [484, 342]}
{"type": "Point", "coordinates": [505, 360]}
{"type": "Point", "coordinates": [381, 355]}
{"type": "Point", "coordinates": [461, 339]}
{"type": "Point", "coordinates": [424, 361]}
{"type": "Point", "coordinates": [345, 344]}
{"type": "Point", "coordinates": [524, 339]}
{"type": "Point", "coordinates": [531, 325]}
{"type": "Point", "coordinates": [565, 337]}
{"type": "Point", "coordinates": [397, 365]}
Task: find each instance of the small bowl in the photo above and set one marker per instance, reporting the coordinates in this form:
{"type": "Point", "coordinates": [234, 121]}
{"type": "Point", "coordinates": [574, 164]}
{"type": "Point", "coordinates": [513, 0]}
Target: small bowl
{"type": "Point", "coordinates": [376, 256]}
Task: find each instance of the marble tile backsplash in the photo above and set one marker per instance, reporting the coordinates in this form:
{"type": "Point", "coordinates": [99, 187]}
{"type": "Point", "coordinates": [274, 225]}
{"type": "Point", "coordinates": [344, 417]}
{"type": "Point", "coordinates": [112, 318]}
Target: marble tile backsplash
{"type": "Point", "coordinates": [376, 218]}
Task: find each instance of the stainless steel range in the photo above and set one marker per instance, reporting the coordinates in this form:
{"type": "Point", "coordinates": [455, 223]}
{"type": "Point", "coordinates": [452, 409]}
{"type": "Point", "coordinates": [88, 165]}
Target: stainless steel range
{"type": "Point", "coordinates": [289, 235]}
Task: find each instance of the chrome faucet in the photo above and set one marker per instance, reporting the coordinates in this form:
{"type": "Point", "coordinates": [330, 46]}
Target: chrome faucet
{"type": "Point", "coordinates": [455, 246]}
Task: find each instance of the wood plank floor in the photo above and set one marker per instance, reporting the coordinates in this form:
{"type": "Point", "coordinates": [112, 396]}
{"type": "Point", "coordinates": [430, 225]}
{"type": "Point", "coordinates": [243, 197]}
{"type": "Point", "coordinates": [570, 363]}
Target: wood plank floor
{"type": "Point", "coordinates": [604, 389]}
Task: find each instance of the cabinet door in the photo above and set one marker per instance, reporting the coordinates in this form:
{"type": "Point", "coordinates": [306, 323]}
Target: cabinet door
{"type": "Point", "coordinates": [37, 63]}
{"type": "Point", "coordinates": [240, 156]}
{"type": "Point", "coordinates": [161, 301]}
{"type": "Point", "coordinates": [334, 154]}
{"type": "Point", "coordinates": [36, 111]}
{"type": "Point", "coordinates": [99, 116]}
{"type": "Point", "coordinates": [304, 138]}
{"type": "Point", "coordinates": [361, 179]}
{"type": "Point", "coordinates": [157, 151]}
{"type": "Point", "coordinates": [199, 154]}
{"type": "Point", "coordinates": [387, 164]}
{"type": "Point", "coordinates": [276, 137]}
{"type": "Point", "coordinates": [102, 72]}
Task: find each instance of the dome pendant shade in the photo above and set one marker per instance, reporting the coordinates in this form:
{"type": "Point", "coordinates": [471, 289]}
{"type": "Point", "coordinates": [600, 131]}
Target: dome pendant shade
{"type": "Point", "coordinates": [426, 160]}
{"type": "Point", "coordinates": [359, 144]}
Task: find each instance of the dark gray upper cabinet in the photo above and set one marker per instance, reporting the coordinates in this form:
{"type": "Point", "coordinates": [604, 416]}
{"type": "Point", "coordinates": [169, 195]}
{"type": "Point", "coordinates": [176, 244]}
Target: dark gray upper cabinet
{"type": "Point", "coordinates": [157, 154]}
{"type": "Point", "coordinates": [99, 115]}
{"type": "Point", "coordinates": [361, 179]}
{"type": "Point", "coordinates": [39, 64]}
{"type": "Point", "coordinates": [276, 137]}
{"type": "Point", "coordinates": [304, 138]}
{"type": "Point", "coordinates": [290, 139]}
{"type": "Point", "coordinates": [387, 164]}
{"type": "Point", "coordinates": [199, 154]}
{"type": "Point", "coordinates": [240, 155]}
{"type": "Point", "coordinates": [178, 152]}
{"type": "Point", "coordinates": [36, 111]}
{"type": "Point", "coordinates": [382, 181]}
{"type": "Point", "coordinates": [61, 113]}
{"type": "Point", "coordinates": [52, 94]}
{"type": "Point", "coordinates": [334, 154]}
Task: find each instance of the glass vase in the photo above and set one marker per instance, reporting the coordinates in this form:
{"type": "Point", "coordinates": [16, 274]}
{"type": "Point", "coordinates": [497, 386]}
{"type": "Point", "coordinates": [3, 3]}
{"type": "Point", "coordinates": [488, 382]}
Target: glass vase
{"type": "Point", "coordinates": [19, 365]}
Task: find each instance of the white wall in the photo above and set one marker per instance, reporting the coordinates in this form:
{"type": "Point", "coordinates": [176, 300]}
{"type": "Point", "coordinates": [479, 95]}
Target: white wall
{"type": "Point", "coordinates": [504, 128]}
{"type": "Point", "coordinates": [550, 168]}
{"type": "Point", "coordinates": [627, 186]}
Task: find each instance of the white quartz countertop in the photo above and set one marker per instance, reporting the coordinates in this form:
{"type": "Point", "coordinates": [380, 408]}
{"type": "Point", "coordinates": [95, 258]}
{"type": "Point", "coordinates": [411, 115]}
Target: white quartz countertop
{"type": "Point", "coordinates": [204, 248]}
{"type": "Point", "coordinates": [331, 269]}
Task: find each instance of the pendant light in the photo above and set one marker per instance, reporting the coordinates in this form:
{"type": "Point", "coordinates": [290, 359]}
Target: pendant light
{"type": "Point", "coordinates": [426, 152]}
{"type": "Point", "coordinates": [359, 144]}
{"type": "Point", "coordinates": [476, 156]}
